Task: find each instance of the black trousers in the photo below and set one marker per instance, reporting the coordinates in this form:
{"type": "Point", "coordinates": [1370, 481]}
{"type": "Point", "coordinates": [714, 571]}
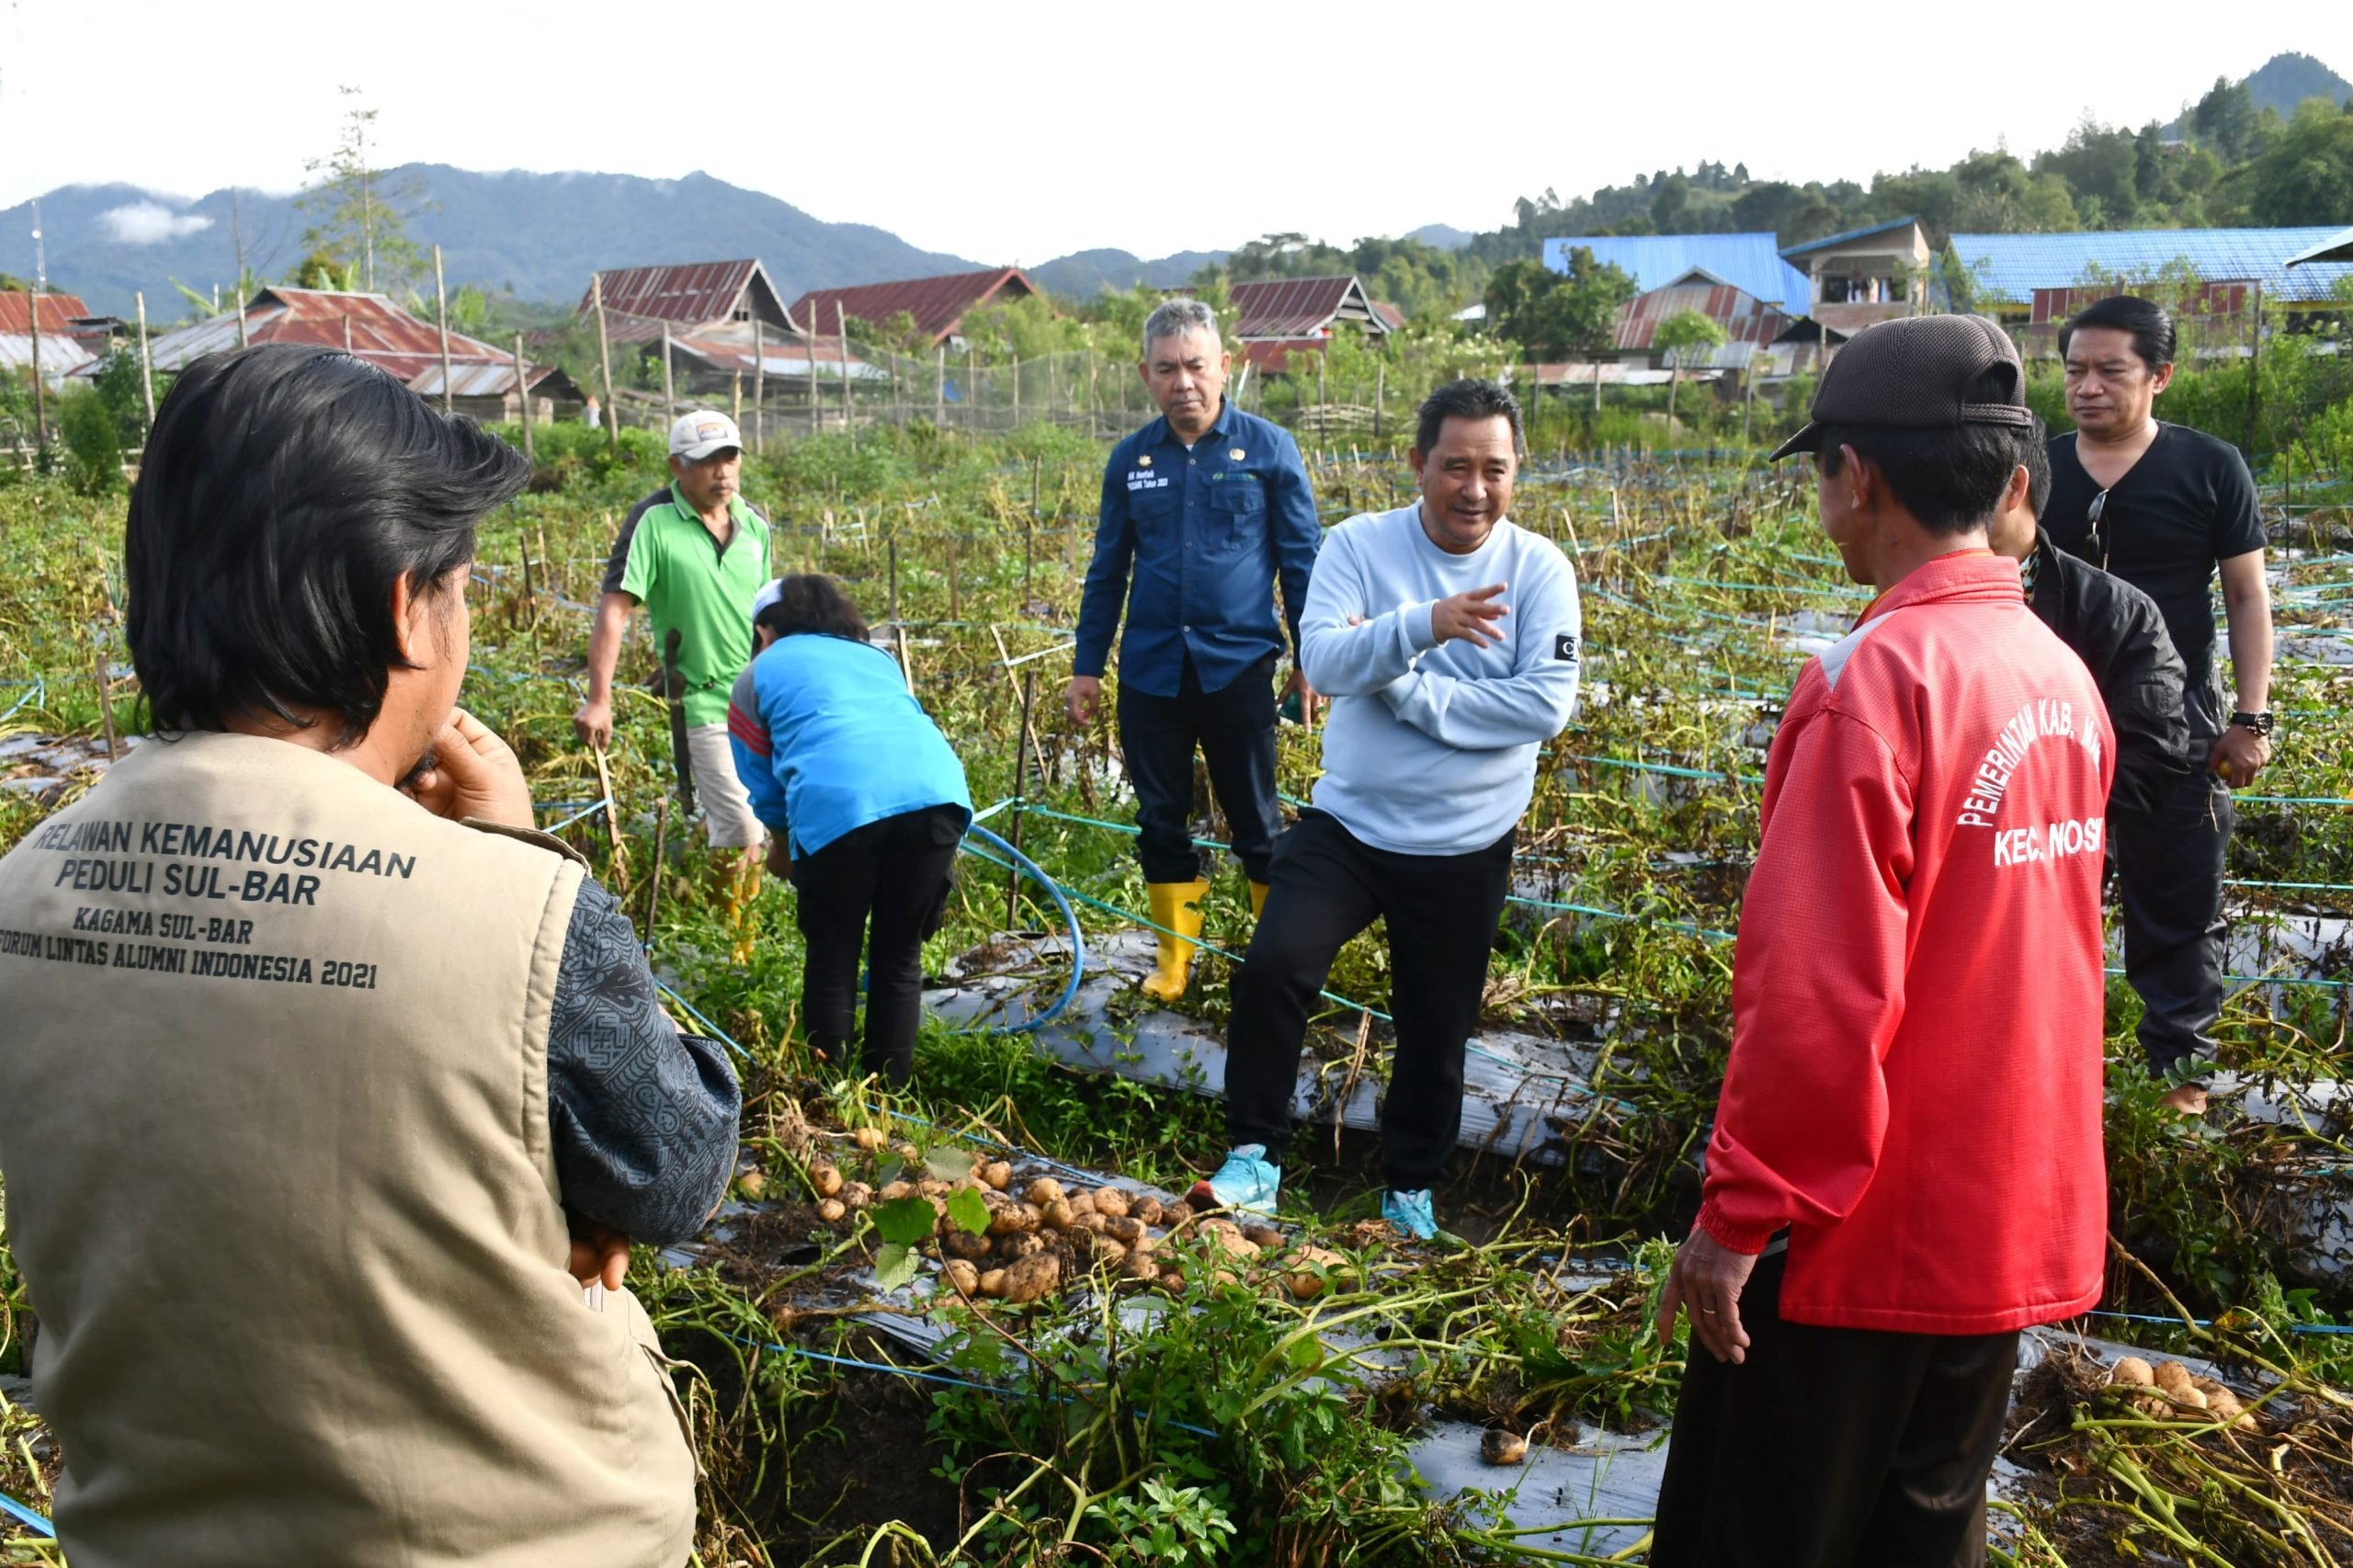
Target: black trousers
{"type": "Point", "coordinates": [1325, 886]}
{"type": "Point", "coordinates": [2169, 864]}
{"type": "Point", "coordinates": [1235, 727]}
{"type": "Point", "coordinates": [1833, 1447]}
{"type": "Point", "coordinates": [895, 871]}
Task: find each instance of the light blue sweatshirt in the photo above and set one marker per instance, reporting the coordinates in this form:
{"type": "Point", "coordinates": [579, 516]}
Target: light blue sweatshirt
{"type": "Point", "coordinates": [1431, 749]}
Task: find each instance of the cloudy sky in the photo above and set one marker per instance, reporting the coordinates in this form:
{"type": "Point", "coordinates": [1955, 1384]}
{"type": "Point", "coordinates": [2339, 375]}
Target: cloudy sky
{"type": "Point", "coordinates": [1018, 134]}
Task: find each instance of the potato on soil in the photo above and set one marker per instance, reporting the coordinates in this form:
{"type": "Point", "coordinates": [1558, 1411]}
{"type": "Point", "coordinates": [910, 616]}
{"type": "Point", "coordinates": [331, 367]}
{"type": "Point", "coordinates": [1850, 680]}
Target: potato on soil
{"type": "Point", "coordinates": [753, 1183]}
{"type": "Point", "coordinates": [1235, 1243]}
{"type": "Point", "coordinates": [1309, 1283]}
{"type": "Point", "coordinates": [1147, 1208]}
{"type": "Point", "coordinates": [2186, 1396]}
{"type": "Point", "coordinates": [1080, 1202]}
{"type": "Point", "coordinates": [1503, 1447]}
{"type": "Point", "coordinates": [1019, 1244]}
{"type": "Point", "coordinates": [2132, 1371]}
{"type": "Point", "coordinates": [2173, 1374]}
{"type": "Point", "coordinates": [963, 1276]}
{"type": "Point", "coordinates": [1032, 1278]}
{"type": "Point", "coordinates": [1109, 1251]}
{"type": "Point", "coordinates": [907, 1152]}
{"type": "Point", "coordinates": [1129, 1230]}
{"type": "Point", "coordinates": [857, 1194]}
{"type": "Point", "coordinates": [895, 1190]}
{"type": "Point", "coordinates": [1110, 1202]}
{"type": "Point", "coordinates": [831, 1211]}
{"type": "Point", "coordinates": [1042, 1191]}
{"type": "Point", "coordinates": [996, 1175]}
{"type": "Point", "coordinates": [963, 1244]}
{"type": "Point", "coordinates": [1057, 1214]}
{"type": "Point", "coordinates": [868, 1138]}
{"type": "Point", "coordinates": [931, 1187]}
{"type": "Point", "coordinates": [1171, 1281]}
{"type": "Point", "coordinates": [993, 1282]}
{"type": "Point", "coordinates": [1013, 1219]}
{"type": "Point", "coordinates": [1139, 1266]}
{"type": "Point", "coordinates": [1263, 1235]}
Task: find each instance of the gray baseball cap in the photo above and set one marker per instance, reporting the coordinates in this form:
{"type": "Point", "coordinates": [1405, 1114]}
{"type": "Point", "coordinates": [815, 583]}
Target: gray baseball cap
{"type": "Point", "coordinates": [1919, 373]}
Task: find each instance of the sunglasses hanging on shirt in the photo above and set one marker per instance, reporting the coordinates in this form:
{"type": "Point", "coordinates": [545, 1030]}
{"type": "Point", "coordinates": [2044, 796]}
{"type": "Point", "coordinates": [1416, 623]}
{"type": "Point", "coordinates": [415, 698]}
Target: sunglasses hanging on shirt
{"type": "Point", "coordinates": [2100, 544]}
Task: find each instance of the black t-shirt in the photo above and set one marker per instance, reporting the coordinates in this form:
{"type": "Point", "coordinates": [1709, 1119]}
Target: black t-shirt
{"type": "Point", "coordinates": [2188, 503]}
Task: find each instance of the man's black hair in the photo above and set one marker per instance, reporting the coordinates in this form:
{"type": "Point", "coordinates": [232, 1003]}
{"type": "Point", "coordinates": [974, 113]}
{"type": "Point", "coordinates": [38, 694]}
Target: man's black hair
{"type": "Point", "coordinates": [1951, 480]}
{"type": "Point", "coordinates": [1464, 400]}
{"type": "Point", "coordinates": [2034, 455]}
{"type": "Point", "coordinates": [284, 491]}
{"type": "Point", "coordinates": [2147, 321]}
{"type": "Point", "coordinates": [812, 604]}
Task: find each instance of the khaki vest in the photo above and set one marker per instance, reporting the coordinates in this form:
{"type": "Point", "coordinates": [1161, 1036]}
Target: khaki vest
{"type": "Point", "coordinates": [274, 1130]}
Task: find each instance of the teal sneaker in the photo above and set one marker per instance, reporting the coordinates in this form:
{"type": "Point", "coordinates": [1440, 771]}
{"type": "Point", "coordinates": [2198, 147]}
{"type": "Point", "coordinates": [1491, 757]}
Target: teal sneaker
{"type": "Point", "coordinates": [1246, 1182]}
{"type": "Point", "coordinates": [1411, 1212]}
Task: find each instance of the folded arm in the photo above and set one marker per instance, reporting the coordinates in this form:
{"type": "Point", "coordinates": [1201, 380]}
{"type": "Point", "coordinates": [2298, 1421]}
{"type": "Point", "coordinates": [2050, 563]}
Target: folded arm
{"type": "Point", "coordinates": [1531, 704]}
{"type": "Point", "coordinates": [1344, 660]}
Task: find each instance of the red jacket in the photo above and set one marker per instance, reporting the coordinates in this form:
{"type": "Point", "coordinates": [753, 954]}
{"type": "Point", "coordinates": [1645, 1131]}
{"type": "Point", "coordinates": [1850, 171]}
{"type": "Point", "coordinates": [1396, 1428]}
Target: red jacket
{"type": "Point", "coordinates": [1915, 1082]}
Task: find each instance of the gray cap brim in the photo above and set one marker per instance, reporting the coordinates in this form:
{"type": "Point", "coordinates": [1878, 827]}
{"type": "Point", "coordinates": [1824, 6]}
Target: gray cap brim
{"type": "Point", "coordinates": [1806, 440]}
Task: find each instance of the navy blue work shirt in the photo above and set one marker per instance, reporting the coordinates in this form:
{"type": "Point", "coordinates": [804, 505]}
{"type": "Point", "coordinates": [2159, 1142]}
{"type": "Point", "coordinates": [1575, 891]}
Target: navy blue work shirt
{"type": "Point", "coordinates": [1208, 533]}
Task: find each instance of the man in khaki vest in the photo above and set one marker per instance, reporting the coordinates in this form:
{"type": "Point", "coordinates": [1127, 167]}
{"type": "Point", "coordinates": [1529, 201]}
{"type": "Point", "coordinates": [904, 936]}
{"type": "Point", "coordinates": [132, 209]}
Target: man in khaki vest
{"type": "Point", "coordinates": [333, 1092]}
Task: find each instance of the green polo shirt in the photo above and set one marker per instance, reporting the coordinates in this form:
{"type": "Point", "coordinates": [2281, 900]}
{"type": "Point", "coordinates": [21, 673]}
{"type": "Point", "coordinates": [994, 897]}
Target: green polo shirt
{"type": "Point", "coordinates": [682, 577]}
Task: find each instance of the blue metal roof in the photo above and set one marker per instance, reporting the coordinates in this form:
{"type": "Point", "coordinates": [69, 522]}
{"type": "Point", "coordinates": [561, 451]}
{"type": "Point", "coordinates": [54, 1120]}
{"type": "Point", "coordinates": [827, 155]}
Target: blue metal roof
{"type": "Point", "coordinates": [2012, 267]}
{"type": "Point", "coordinates": [1850, 234]}
{"type": "Point", "coordinates": [2337, 247]}
{"type": "Point", "coordinates": [1751, 263]}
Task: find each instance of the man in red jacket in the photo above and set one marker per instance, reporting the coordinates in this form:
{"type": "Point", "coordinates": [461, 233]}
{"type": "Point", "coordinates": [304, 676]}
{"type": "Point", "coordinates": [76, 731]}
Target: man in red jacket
{"type": "Point", "coordinates": [1906, 1169]}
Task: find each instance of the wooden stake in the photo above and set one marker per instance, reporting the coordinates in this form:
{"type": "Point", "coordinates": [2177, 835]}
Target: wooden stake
{"type": "Point", "coordinates": [815, 412]}
{"type": "Point", "coordinates": [736, 405]}
{"type": "Point", "coordinates": [669, 392]}
{"type": "Point", "coordinates": [605, 360]}
{"type": "Point", "coordinates": [1021, 782]}
{"type": "Point", "coordinates": [146, 366]}
{"type": "Point", "coordinates": [940, 388]}
{"type": "Point", "coordinates": [613, 826]}
{"type": "Point", "coordinates": [654, 883]}
{"type": "Point", "coordinates": [106, 700]}
{"type": "Point", "coordinates": [522, 399]}
{"type": "Point", "coordinates": [441, 309]}
{"type": "Point", "coordinates": [759, 383]}
{"type": "Point", "coordinates": [841, 336]}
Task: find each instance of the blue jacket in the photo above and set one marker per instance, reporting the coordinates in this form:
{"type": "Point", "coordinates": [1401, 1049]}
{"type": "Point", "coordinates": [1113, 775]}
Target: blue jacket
{"type": "Point", "coordinates": [827, 739]}
{"type": "Point", "coordinates": [1207, 532]}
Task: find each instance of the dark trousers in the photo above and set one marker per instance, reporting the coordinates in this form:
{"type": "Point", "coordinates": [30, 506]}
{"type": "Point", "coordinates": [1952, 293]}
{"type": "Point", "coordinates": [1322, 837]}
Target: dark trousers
{"type": "Point", "coordinates": [1325, 886]}
{"type": "Point", "coordinates": [2169, 864]}
{"type": "Point", "coordinates": [1833, 1447]}
{"type": "Point", "coordinates": [896, 871]}
{"type": "Point", "coordinates": [1235, 727]}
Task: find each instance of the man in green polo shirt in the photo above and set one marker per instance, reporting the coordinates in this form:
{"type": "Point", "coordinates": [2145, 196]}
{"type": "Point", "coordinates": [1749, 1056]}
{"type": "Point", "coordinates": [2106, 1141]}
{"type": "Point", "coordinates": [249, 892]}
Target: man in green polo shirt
{"type": "Point", "coordinates": [694, 555]}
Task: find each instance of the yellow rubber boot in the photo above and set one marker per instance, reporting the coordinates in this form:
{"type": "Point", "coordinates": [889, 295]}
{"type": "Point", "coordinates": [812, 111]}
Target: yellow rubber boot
{"type": "Point", "coordinates": [1258, 900]}
{"type": "Point", "coordinates": [1175, 906]}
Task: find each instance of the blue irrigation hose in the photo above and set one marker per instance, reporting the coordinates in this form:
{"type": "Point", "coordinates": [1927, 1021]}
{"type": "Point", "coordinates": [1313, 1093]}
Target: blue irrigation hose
{"type": "Point", "coordinates": [1029, 869]}
{"type": "Point", "coordinates": [25, 1516]}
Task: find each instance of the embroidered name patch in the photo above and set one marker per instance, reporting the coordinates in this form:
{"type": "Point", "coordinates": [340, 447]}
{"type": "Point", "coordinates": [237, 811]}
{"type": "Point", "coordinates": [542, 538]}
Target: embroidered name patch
{"type": "Point", "coordinates": [1564, 647]}
{"type": "Point", "coordinates": [1139, 480]}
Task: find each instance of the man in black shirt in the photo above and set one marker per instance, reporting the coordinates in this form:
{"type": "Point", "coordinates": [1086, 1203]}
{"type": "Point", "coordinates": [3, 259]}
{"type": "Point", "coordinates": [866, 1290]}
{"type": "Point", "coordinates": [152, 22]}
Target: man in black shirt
{"type": "Point", "coordinates": [2163, 507]}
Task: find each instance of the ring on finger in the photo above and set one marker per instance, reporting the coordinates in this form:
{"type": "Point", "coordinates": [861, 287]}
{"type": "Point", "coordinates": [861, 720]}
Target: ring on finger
{"type": "Point", "coordinates": [1710, 1310]}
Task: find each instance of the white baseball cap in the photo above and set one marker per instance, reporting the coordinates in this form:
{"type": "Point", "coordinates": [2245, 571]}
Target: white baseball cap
{"type": "Point", "coordinates": [698, 435]}
{"type": "Point", "coordinates": [766, 596]}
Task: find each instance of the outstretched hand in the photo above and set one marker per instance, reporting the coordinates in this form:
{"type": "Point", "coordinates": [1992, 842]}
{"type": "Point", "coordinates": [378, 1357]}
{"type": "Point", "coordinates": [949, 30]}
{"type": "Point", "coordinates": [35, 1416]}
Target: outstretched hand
{"type": "Point", "coordinates": [1708, 1277]}
{"type": "Point", "coordinates": [1470, 615]}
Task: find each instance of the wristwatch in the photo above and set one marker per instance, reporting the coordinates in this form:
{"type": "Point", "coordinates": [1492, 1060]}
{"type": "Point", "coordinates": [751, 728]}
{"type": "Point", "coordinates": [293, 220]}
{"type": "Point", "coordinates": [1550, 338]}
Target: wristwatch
{"type": "Point", "coordinates": [2259, 722]}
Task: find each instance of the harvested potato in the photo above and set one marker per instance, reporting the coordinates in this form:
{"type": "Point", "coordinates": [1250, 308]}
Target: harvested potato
{"type": "Point", "coordinates": [1021, 1244]}
{"type": "Point", "coordinates": [893, 1191]}
{"type": "Point", "coordinates": [1109, 1251]}
{"type": "Point", "coordinates": [1033, 1276]}
{"type": "Point", "coordinates": [831, 1211]}
{"type": "Point", "coordinates": [753, 1183]}
{"type": "Point", "coordinates": [1310, 1283]}
{"type": "Point", "coordinates": [996, 1175]}
{"type": "Point", "coordinates": [1171, 1281]}
{"type": "Point", "coordinates": [2186, 1396]}
{"type": "Point", "coordinates": [1146, 1209]}
{"type": "Point", "coordinates": [2224, 1405]}
{"type": "Point", "coordinates": [1140, 1266]}
{"type": "Point", "coordinates": [1092, 1222]}
{"type": "Point", "coordinates": [857, 1194]}
{"type": "Point", "coordinates": [907, 1152]}
{"type": "Point", "coordinates": [930, 1188]}
{"type": "Point", "coordinates": [1110, 1202]}
{"type": "Point", "coordinates": [1013, 1219]}
{"type": "Point", "coordinates": [2173, 1374]}
{"type": "Point", "coordinates": [993, 1282]}
{"type": "Point", "coordinates": [1262, 1235]}
{"type": "Point", "coordinates": [1503, 1447]}
{"type": "Point", "coordinates": [1042, 1191]}
{"type": "Point", "coordinates": [1235, 1243]}
{"type": "Point", "coordinates": [2131, 1369]}
{"type": "Point", "coordinates": [868, 1138]}
{"type": "Point", "coordinates": [1126, 1230]}
{"type": "Point", "coordinates": [1057, 1214]}
{"type": "Point", "coordinates": [962, 1277]}
{"type": "Point", "coordinates": [1080, 1202]}
{"type": "Point", "coordinates": [963, 1244]}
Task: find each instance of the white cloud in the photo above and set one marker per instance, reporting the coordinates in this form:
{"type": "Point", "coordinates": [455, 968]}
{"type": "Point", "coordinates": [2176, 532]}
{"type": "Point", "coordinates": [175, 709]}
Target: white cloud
{"type": "Point", "coordinates": [149, 222]}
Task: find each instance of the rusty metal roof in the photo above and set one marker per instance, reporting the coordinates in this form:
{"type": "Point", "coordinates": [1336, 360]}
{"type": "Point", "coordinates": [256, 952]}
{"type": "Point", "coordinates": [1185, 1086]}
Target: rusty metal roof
{"type": "Point", "coordinates": [638, 299]}
{"type": "Point", "coordinates": [58, 313]}
{"type": "Point", "coordinates": [728, 350]}
{"type": "Point", "coordinates": [1271, 356]}
{"type": "Point", "coordinates": [383, 333]}
{"type": "Point", "coordinates": [938, 304]}
{"type": "Point", "coordinates": [1303, 307]}
{"type": "Point", "coordinates": [1744, 317]}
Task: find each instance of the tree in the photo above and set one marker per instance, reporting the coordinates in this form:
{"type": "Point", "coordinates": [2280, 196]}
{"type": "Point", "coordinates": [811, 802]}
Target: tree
{"type": "Point", "coordinates": [1549, 313]}
{"type": "Point", "coordinates": [362, 211]}
{"type": "Point", "coordinates": [1680, 335]}
{"type": "Point", "coordinates": [2305, 176]}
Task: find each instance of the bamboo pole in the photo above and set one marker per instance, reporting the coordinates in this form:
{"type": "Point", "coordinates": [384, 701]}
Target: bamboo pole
{"type": "Point", "coordinates": [522, 397]}
{"type": "Point", "coordinates": [736, 402]}
{"type": "Point", "coordinates": [841, 338]}
{"type": "Point", "coordinates": [759, 383]}
{"type": "Point", "coordinates": [41, 392]}
{"type": "Point", "coordinates": [605, 358]}
{"type": "Point", "coordinates": [146, 366]}
{"type": "Point", "coordinates": [441, 309]}
{"type": "Point", "coordinates": [816, 415]}
{"type": "Point", "coordinates": [669, 390]}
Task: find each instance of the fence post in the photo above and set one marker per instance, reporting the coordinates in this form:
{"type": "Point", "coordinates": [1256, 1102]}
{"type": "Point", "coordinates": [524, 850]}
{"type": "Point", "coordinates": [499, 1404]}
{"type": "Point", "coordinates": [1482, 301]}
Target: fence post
{"type": "Point", "coordinates": [669, 388]}
{"type": "Point", "coordinates": [759, 383]}
{"type": "Point", "coordinates": [815, 414]}
{"type": "Point", "coordinates": [940, 389]}
{"type": "Point", "coordinates": [441, 309]}
{"type": "Point", "coordinates": [604, 360]}
{"type": "Point", "coordinates": [146, 366]}
{"type": "Point", "coordinates": [522, 397]}
{"type": "Point", "coordinates": [841, 336]}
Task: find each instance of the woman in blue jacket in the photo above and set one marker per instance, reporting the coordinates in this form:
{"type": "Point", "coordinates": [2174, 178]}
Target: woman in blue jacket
{"type": "Point", "coordinates": [866, 804]}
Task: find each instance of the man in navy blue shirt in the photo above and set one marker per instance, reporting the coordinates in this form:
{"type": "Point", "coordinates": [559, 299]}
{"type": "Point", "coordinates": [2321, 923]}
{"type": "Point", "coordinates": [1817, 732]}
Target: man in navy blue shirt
{"type": "Point", "coordinates": [1205, 510]}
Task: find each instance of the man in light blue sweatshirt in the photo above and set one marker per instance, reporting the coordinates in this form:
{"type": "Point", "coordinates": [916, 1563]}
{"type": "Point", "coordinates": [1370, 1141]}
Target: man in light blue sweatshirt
{"type": "Point", "coordinates": [1447, 638]}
